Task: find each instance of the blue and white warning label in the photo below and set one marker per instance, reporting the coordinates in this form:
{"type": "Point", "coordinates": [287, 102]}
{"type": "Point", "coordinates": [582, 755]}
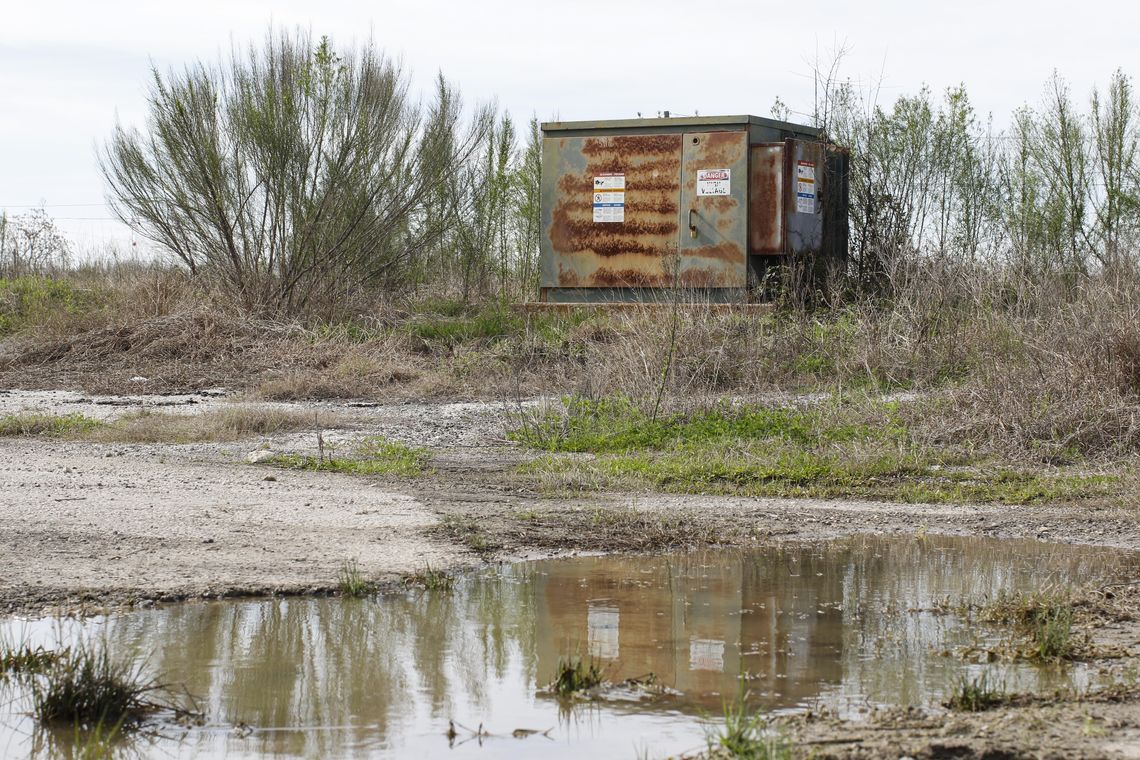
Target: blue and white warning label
{"type": "Point", "coordinates": [805, 187]}
{"type": "Point", "coordinates": [609, 198]}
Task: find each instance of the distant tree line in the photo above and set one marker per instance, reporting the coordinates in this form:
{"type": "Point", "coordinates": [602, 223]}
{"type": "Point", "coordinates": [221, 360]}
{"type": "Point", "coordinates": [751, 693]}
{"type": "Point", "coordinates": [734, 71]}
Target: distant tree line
{"type": "Point", "coordinates": [1057, 193]}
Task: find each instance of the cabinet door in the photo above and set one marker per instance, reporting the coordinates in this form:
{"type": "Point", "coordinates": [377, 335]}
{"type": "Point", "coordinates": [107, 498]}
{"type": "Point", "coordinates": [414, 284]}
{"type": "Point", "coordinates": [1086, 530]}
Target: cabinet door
{"type": "Point", "coordinates": [610, 211]}
{"type": "Point", "coordinates": [714, 198]}
{"type": "Point", "coordinates": [766, 200]}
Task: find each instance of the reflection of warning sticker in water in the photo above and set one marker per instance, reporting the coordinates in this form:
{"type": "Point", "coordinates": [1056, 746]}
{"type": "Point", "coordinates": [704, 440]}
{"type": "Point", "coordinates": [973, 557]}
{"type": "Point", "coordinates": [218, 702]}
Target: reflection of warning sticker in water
{"type": "Point", "coordinates": [805, 187]}
{"type": "Point", "coordinates": [609, 198]}
{"type": "Point", "coordinates": [706, 654]}
{"type": "Point", "coordinates": [602, 630]}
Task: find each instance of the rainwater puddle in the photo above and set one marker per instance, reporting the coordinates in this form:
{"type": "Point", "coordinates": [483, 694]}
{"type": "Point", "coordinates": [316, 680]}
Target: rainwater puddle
{"type": "Point", "coordinates": [846, 626]}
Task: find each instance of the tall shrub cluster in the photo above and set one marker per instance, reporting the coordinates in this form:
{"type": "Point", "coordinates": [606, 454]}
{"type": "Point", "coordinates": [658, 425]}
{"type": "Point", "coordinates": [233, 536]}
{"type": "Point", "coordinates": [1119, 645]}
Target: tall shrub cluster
{"type": "Point", "coordinates": [295, 175]}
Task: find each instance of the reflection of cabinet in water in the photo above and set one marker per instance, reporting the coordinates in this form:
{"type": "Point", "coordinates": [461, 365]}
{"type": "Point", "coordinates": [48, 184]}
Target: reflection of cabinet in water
{"type": "Point", "coordinates": [697, 625]}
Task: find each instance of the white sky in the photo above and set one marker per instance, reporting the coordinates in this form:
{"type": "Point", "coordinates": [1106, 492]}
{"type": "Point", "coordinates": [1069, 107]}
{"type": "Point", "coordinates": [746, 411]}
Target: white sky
{"type": "Point", "coordinates": [67, 69]}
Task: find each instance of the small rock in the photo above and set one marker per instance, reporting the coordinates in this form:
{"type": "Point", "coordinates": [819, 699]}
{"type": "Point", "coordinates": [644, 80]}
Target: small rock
{"type": "Point", "coordinates": [256, 457]}
{"type": "Point", "coordinates": [270, 479]}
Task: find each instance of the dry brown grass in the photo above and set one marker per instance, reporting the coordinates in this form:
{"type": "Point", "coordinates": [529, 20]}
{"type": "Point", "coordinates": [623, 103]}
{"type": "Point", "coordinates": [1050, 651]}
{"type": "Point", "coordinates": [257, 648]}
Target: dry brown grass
{"type": "Point", "coordinates": [1038, 370]}
{"type": "Point", "coordinates": [226, 424]}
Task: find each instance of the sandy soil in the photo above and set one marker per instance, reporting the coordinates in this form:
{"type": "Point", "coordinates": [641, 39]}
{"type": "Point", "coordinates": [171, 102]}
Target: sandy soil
{"type": "Point", "coordinates": [86, 523]}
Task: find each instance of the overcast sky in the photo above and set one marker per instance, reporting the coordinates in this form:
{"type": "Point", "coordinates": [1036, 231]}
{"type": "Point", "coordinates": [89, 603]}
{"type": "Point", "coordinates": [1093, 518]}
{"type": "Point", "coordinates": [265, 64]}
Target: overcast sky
{"type": "Point", "coordinates": [69, 69]}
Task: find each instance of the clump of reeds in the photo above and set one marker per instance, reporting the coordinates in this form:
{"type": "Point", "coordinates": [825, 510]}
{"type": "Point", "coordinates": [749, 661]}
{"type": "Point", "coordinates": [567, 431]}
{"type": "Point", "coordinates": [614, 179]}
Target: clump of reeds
{"type": "Point", "coordinates": [575, 675]}
{"type": "Point", "coordinates": [85, 687]}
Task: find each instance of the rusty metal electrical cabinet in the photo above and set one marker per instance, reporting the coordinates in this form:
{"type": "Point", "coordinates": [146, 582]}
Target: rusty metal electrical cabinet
{"type": "Point", "coordinates": [704, 205]}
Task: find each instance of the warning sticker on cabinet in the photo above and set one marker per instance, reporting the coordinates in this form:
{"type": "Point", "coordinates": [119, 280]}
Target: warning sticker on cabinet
{"type": "Point", "coordinates": [609, 198]}
{"type": "Point", "coordinates": [714, 181]}
{"type": "Point", "coordinates": [805, 187]}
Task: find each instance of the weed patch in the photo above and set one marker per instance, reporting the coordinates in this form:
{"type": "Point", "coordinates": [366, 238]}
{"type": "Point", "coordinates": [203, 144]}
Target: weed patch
{"type": "Point", "coordinates": [86, 688]}
{"type": "Point", "coordinates": [24, 659]}
{"type": "Point", "coordinates": [352, 583]}
{"type": "Point", "coordinates": [29, 301]}
{"type": "Point", "coordinates": [825, 451]}
{"type": "Point", "coordinates": [373, 456]}
{"type": "Point", "coordinates": [225, 424]}
{"type": "Point", "coordinates": [48, 425]}
{"type": "Point", "coordinates": [747, 734]}
{"type": "Point", "coordinates": [431, 580]}
{"type": "Point", "coordinates": [1044, 620]}
{"type": "Point", "coordinates": [575, 675]}
{"type": "Point", "coordinates": [468, 531]}
{"type": "Point", "coordinates": [975, 695]}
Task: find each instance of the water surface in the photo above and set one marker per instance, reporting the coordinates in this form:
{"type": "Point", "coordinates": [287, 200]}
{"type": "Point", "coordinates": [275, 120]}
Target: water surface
{"type": "Point", "coordinates": [847, 626]}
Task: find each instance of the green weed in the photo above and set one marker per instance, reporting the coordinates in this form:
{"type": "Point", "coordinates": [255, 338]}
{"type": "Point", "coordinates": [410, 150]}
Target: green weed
{"type": "Point", "coordinates": [574, 675]}
{"type": "Point", "coordinates": [487, 325]}
{"type": "Point", "coordinates": [432, 580]}
{"type": "Point", "coordinates": [50, 425]}
{"type": "Point", "coordinates": [373, 456]}
{"type": "Point", "coordinates": [975, 695]}
{"type": "Point", "coordinates": [27, 301]}
{"type": "Point", "coordinates": [825, 451]}
{"type": "Point", "coordinates": [86, 688]}
{"type": "Point", "coordinates": [352, 583]}
{"type": "Point", "coordinates": [746, 734]}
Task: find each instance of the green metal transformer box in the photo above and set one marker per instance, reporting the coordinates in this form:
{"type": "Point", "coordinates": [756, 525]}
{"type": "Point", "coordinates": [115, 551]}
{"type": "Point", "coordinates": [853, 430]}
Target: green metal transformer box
{"type": "Point", "coordinates": [704, 206]}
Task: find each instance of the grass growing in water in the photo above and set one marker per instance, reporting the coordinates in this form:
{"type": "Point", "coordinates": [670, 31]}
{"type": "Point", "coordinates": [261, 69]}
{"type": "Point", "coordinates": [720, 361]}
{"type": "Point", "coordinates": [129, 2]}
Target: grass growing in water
{"type": "Point", "coordinates": [24, 659]}
{"type": "Point", "coordinates": [1044, 618]}
{"type": "Point", "coordinates": [86, 688]}
{"type": "Point", "coordinates": [373, 456]}
{"type": "Point", "coordinates": [351, 582]}
{"type": "Point", "coordinates": [745, 734]}
{"type": "Point", "coordinates": [975, 695]}
{"type": "Point", "coordinates": [430, 579]}
{"type": "Point", "coordinates": [50, 425]}
{"type": "Point", "coordinates": [575, 675]}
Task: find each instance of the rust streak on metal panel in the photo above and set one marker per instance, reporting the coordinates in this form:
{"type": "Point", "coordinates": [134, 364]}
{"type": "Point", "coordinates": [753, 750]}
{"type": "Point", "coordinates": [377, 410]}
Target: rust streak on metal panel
{"type": "Point", "coordinates": [567, 278]}
{"type": "Point", "coordinates": [630, 144]}
{"type": "Point", "coordinates": [766, 200]}
{"type": "Point", "coordinates": [628, 278]}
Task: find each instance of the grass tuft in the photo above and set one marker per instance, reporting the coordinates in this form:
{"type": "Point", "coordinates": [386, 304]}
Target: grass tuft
{"type": "Point", "coordinates": [86, 688]}
{"type": "Point", "coordinates": [746, 734]}
{"type": "Point", "coordinates": [431, 579]}
{"type": "Point", "coordinates": [49, 425]}
{"type": "Point", "coordinates": [352, 583]}
{"type": "Point", "coordinates": [373, 456]}
{"type": "Point", "coordinates": [1044, 618]}
{"type": "Point", "coordinates": [975, 695]}
{"type": "Point", "coordinates": [574, 676]}
{"type": "Point", "coordinates": [24, 659]}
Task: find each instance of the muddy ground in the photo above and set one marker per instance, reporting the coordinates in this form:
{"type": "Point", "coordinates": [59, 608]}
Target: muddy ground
{"type": "Point", "coordinates": [88, 524]}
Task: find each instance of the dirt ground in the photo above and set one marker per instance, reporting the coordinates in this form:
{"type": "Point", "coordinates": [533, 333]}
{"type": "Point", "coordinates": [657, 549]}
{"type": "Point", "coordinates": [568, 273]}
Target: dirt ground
{"type": "Point", "coordinates": [84, 523]}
